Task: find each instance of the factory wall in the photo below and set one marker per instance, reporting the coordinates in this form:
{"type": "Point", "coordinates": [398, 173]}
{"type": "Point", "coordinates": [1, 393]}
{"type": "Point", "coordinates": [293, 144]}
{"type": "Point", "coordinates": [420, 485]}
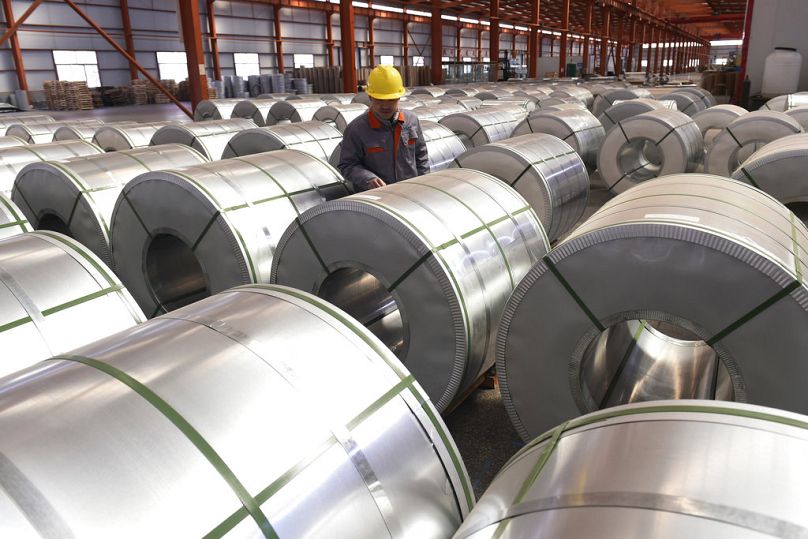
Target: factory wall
{"type": "Point", "coordinates": [777, 23]}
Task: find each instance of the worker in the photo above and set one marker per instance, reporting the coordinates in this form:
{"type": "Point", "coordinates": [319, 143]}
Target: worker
{"type": "Point", "coordinates": [384, 145]}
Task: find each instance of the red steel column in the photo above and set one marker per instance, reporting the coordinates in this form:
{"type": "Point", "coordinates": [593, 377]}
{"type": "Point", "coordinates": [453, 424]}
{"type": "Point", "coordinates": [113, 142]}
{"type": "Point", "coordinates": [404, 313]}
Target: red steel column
{"type": "Point", "coordinates": [192, 39]}
{"type": "Point", "coordinates": [565, 28]}
{"type": "Point", "coordinates": [534, 39]}
{"type": "Point", "coordinates": [214, 40]}
{"type": "Point", "coordinates": [480, 45]}
{"type": "Point", "coordinates": [405, 44]}
{"type": "Point", "coordinates": [618, 48]}
{"type": "Point", "coordinates": [16, 53]}
{"type": "Point", "coordinates": [348, 45]}
{"type": "Point", "coordinates": [129, 40]}
{"type": "Point", "coordinates": [276, 15]}
{"type": "Point", "coordinates": [656, 37]}
{"type": "Point", "coordinates": [590, 7]}
{"type": "Point", "coordinates": [371, 42]}
{"type": "Point", "coordinates": [458, 56]}
{"type": "Point", "coordinates": [329, 38]}
{"type": "Point", "coordinates": [640, 48]}
{"type": "Point", "coordinates": [632, 38]}
{"type": "Point", "coordinates": [747, 33]}
{"type": "Point", "coordinates": [437, 43]}
{"type": "Point", "coordinates": [604, 39]}
{"type": "Point", "coordinates": [493, 39]}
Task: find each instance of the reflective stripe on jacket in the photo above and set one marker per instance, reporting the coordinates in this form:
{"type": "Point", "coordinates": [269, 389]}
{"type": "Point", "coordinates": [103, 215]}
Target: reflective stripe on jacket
{"type": "Point", "coordinates": [392, 151]}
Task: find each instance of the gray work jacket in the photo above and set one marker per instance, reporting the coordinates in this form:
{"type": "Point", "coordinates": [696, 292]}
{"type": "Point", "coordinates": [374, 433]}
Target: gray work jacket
{"type": "Point", "coordinates": [393, 152]}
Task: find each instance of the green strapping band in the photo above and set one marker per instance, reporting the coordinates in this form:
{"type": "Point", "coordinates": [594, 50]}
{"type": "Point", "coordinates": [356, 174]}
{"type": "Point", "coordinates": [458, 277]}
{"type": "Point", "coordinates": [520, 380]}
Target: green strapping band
{"type": "Point", "coordinates": [19, 219]}
{"type": "Point", "coordinates": [14, 223]}
{"type": "Point", "coordinates": [552, 267]}
{"type": "Point", "coordinates": [749, 177]}
{"type": "Point", "coordinates": [78, 248]}
{"type": "Point", "coordinates": [310, 243]}
{"type": "Point", "coordinates": [754, 312]}
{"type": "Point", "coordinates": [83, 299]}
{"type": "Point", "coordinates": [622, 365]}
{"type": "Point", "coordinates": [15, 323]}
{"type": "Point", "coordinates": [381, 401]}
{"type": "Point", "coordinates": [250, 504]}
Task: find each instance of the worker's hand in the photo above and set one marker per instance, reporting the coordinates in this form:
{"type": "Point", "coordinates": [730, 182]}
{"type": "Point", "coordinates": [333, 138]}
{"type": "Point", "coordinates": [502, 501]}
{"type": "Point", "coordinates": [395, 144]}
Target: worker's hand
{"type": "Point", "coordinates": [376, 182]}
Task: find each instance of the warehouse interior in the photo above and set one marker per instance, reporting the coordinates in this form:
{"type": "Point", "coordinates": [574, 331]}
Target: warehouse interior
{"type": "Point", "coordinates": [408, 269]}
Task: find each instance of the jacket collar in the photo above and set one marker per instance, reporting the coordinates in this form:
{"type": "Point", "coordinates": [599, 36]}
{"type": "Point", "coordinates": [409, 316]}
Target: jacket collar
{"type": "Point", "coordinates": [375, 123]}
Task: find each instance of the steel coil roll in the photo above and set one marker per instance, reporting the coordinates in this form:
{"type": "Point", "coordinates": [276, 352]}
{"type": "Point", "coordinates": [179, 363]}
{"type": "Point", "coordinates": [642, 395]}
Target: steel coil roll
{"type": "Point", "coordinates": [315, 138]}
{"type": "Point", "coordinates": [299, 110]}
{"type": "Point", "coordinates": [800, 114]}
{"type": "Point", "coordinates": [438, 112]}
{"type": "Point", "coordinates": [482, 126]}
{"type": "Point", "coordinates": [459, 91]}
{"type": "Point", "coordinates": [12, 220]}
{"type": "Point", "coordinates": [13, 160]}
{"type": "Point", "coordinates": [687, 103]}
{"type": "Point", "coordinates": [210, 138]}
{"type": "Point", "coordinates": [578, 128]}
{"type": "Point", "coordinates": [76, 196]}
{"type": "Point", "coordinates": [783, 103]}
{"type": "Point", "coordinates": [703, 259]}
{"type": "Point", "coordinates": [711, 121]}
{"type": "Point", "coordinates": [215, 109]}
{"type": "Point", "coordinates": [50, 308]}
{"type": "Point", "coordinates": [336, 99]}
{"type": "Point", "coordinates": [653, 144]}
{"type": "Point", "coordinates": [181, 235]}
{"type": "Point", "coordinates": [670, 467]}
{"type": "Point", "coordinates": [431, 91]}
{"type": "Point", "coordinates": [703, 95]}
{"type": "Point", "coordinates": [524, 105]}
{"type": "Point", "coordinates": [606, 98]}
{"type": "Point", "coordinates": [340, 115]}
{"type": "Point", "coordinates": [443, 146]}
{"type": "Point", "coordinates": [545, 170]}
{"type": "Point", "coordinates": [576, 92]}
{"type": "Point", "coordinates": [468, 103]}
{"type": "Point", "coordinates": [83, 132]}
{"type": "Point", "coordinates": [114, 138]}
{"type": "Point", "coordinates": [745, 135]}
{"type": "Point", "coordinates": [11, 142]}
{"type": "Point", "coordinates": [426, 264]}
{"type": "Point", "coordinates": [623, 110]}
{"type": "Point", "coordinates": [43, 133]}
{"type": "Point", "coordinates": [497, 93]}
{"type": "Point", "coordinates": [7, 120]}
{"type": "Point", "coordinates": [171, 410]}
{"type": "Point", "coordinates": [256, 110]}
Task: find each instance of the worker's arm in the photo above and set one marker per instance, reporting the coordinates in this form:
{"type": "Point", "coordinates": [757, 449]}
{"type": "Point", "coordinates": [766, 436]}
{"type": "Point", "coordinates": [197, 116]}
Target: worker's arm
{"type": "Point", "coordinates": [351, 163]}
{"type": "Point", "coordinates": [421, 153]}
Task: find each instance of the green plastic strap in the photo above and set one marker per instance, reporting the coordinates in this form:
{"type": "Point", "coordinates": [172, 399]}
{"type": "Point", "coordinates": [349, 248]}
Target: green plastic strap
{"type": "Point", "coordinates": [552, 267]}
{"type": "Point", "coordinates": [622, 365]}
{"type": "Point", "coordinates": [250, 504]}
{"type": "Point", "coordinates": [18, 219]}
{"type": "Point", "coordinates": [134, 212]}
{"type": "Point", "coordinates": [15, 323]}
{"type": "Point", "coordinates": [15, 223]}
{"type": "Point", "coordinates": [83, 299]}
{"type": "Point", "coordinates": [310, 243]}
{"type": "Point", "coordinates": [80, 250]}
{"type": "Point", "coordinates": [749, 177]}
{"type": "Point", "coordinates": [754, 312]}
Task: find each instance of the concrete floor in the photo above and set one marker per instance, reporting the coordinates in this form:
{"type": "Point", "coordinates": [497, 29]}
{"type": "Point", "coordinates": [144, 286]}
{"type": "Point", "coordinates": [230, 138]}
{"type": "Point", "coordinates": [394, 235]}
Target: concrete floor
{"type": "Point", "coordinates": [133, 113]}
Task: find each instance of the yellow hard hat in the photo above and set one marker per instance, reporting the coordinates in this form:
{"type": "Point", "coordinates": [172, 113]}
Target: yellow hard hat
{"type": "Point", "coordinates": [385, 82]}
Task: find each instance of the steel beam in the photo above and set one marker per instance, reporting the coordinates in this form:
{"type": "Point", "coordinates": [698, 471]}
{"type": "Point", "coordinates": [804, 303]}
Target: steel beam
{"type": "Point", "coordinates": [458, 56]}
{"type": "Point", "coordinates": [192, 39]}
{"type": "Point", "coordinates": [437, 42]}
{"type": "Point", "coordinates": [590, 8]}
{"type": "Point", "coordinates": [329, 38]}
{"type": "Point", "coordinates": [722, 17]}
{"type": "Point", "coordinates": [214, 40]}
{"type": "Point", "coordinates": [16, 53]}
{"type": "Point", "coordinates": [618, 48]}
{"type": "Point", "coordinates": [534, 39]}
{"type": "Point", "coordinates": [128, 38]}
{"type": "Point", "coordinates": [747, 34]}
{"type": "Point", "coordinates": [479, 45]}
{"type": "Point", "coordinates": [371, 43]}
{"type": "Point", "coordinates": [657, 41]}
{"type": "Point", "coordinates": [405, 43]}
{"type": "Point", "coordinates": [12, 30]}
{"type": "Point", "coordinates": [493, 38]}
{"type": "Point", "coordinates": [604, 38]}
{"type": "Point", "coordinates": [565, 28]}
{"type": "Point", "coordinates": [276, 19]}
{"type": "Point", "coordinates": [348, 45]}
{"type": "Point", "coordinates": [632, 39]}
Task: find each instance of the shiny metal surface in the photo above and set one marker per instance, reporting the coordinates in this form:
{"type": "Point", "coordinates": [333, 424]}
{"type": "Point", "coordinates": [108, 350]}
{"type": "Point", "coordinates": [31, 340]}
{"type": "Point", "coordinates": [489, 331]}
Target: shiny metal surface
{"type": "Point", "coordinates": [194, 416]}
{"type": "Point", "coordinates": [467, 102]}
{"type": "Point", "coordinates": [578, 128]}
{"type": "Point", "coordinates": [76, 196]}
{"type": "Point", "coordinates": [668, 470]}
{"type": "Point", "coordinates": [55, 296]}
{"type": "Point", "coordinates": [545, 170]}
{"type": "Point", "coordinates": [42, 133]}
{"type": "Point", "coordinates": [623, 110]}
{"type": "Point", "coordinates": [13, 160]}
{"type": "Point", "coordinates": [432, 91]}
{"type": "Point", "coordinates": [335, 99]}
{"type": "Point", "coordinates": [113, 138]}
{"type": "Point", "coordinates": [482, 126]}
{"type": "Point", "coordinates": [482, 237]}
{"type": "Point", "coordinates": [11, 142]}
{"type": "Point", "coordinates": [577, 92]}
{"type": "Point", "coordinates": [12, 220]}
{"type": "Point", "coordinates": [525, 104]}
{"type": "Point", "coordinates": [7, 120]}
{"type": "Point", "coordinates": [256, 110]}
{"type": "Point", "coordinates": [744, 135]}
{"type": "Point", "coordinates": [647, 146]}
{"type": "Point", "coordinates": [687, 103]}
{"type": "Point", "coordinates": [340, 115]}
{"type": "Point", "coordinates": [494, 93]}
{"type": "Point", "coordinates": [704, 95]}
{"type": "Point", "coordinates": [442, 145]}
{"type": "Point", "coordinates": [316, 138]}
{"type": "Point", "coordinates": [298, 110]}
{"type": "Point", "coordinates": [711, 121]}
{"type": "Point", "coordinates": [783, 103]}
{"type": "Point", "coordinates": [181, 235]}
{"type": "Point", "coordinates": [81, 131]}
{"type": "Point", "coordinates": [800, 114]}
{"type": "Point", "coordinates": [215, 109]}
{"type": "Point", "coordinates": [607, 97]}
{"type": "Point", "coordinates": [210, 138]}
{"type": "Point", "coordinates": [654, 253]}
{"type": "Point", "coordinates": [438, 112]}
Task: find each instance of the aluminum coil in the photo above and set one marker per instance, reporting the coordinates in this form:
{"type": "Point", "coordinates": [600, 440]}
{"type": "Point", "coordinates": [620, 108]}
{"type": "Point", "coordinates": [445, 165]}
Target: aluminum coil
{"type": "Point", "coordinates": [492, 94]}
{"type": "Point", "coordinates": [482, 126]}
{"type": "Point", "coordinates": [210, 138]}
{"type": "Point", "coordinates": [750, 131]}
{"type": "Point", "coordinates": [438, 112]}
{"type": "Point", "coordinates": [545, 170]}
{"type": "Point", "coordinates": [171, 411]}
{"type": "Point", "coordinates": [426, 264]}
{"type": "Point", "coordinates": [43, 133]}
{"type": "Point", "coordinates": [576, 92]}
{"type": "Point", "coordinates": [337, 99]}
{"type": "Point", "coordinates": [256, 110]}
{"type": "Point", "coordinates": [660, 246]}
{"type": "Point", "coordinates": [55, 296]}
{"type": "Point", "coordinates": [687, 103]}
{"type": "Point", "coordinates": [215, 109]}
{"type": "Point", "coordinates": [300, 110]}
{"type": "Point", "coordinates": [711, 121]}
{"type": "Point", "coordinates": [12, 220]}
{"type": "Point", "coordinates": [76, 196]}
{"type": "Point", "coordinates": [783, 103]}
{"type": "Point", "coordinates": [432, 91]}
{"type": "Point", "coordinates": [524, 105]}
{"type": "Point", "coordinates": [653, 144]}
{"type": "Point", "coordinates": [800, 114]}
{"type": "Point", "coordinates": [280, 96]}
{"type": "Point", "coordinates": [468, 103]}
{"type": "Point", "coordinates": [461, 91]}
{"type": "Point", "coordinates": [578, 128]}
{"type": "Point", "coordinates": [670, 467]}
{"type": "Point", "coordinates": [703, 95]}
{"type": "Point", "coordinates": [7, 120]}
{"type": "Point", "coordinates": [233, 213]}
{"type": "Point", "coordinates": [13, 160]}
{"type": "Point", "coordinates": [623, 110]}
{"type": "Point", "coordinates": [606, 98]}
{"type": "Point", "coordinates": [318, 139]}
{"type": "Point", "coordinates": [11, 142]}
{"type": "Point", "coordinates": [114, 138]}
{"type": "Point", "coordinates": [340, 115]}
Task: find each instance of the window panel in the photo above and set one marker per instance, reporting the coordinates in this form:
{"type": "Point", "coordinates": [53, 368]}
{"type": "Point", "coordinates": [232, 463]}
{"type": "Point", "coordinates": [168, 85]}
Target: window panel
{"type": "Point", "coordinates": [304, 60]}
{"type": "Point", "coordinates": [77, 66]}
{"type": "Point", "coordinates": [172, 65]}
{"type": "Point", "coordinates": [246, 64]}
{"type": "Point", "coordinates": [386, 60]}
